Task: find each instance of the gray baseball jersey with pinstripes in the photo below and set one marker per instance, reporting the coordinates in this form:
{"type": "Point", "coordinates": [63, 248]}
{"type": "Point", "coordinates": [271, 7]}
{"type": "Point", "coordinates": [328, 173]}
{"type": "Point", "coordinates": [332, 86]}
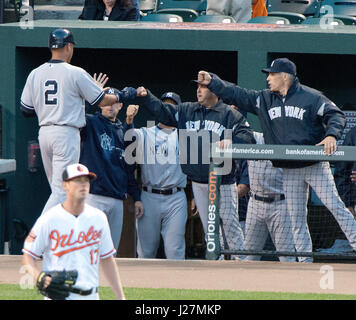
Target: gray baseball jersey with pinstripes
{"type": "Point", "coordinates": [56, 91]}
{"type": "Point", "coordinates": [161, 168]}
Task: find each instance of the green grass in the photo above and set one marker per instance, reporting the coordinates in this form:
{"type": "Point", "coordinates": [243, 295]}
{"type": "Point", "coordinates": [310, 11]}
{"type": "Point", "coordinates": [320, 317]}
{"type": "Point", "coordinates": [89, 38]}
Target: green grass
{"type": "Point", "coordinates": [14, 292]}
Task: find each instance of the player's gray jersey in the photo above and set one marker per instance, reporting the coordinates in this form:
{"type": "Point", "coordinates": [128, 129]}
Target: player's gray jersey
{"type": "Point", "coordinates": [272, 182]}
{"type": "Point", "coordinates": [160, 168]}
{"type": "Point", "coordinates": [57, 91]}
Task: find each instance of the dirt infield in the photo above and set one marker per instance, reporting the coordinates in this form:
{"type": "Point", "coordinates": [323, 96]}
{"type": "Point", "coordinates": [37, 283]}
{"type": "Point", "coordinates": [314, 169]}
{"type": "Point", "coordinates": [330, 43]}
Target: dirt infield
{"type": "Point", "coordinates": [229, 275]}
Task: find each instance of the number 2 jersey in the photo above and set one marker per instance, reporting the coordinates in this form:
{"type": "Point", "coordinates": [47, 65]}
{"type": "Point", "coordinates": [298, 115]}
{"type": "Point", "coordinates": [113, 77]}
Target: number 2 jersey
{"type": "Point", "coordinates": [57, 91]}
{"type": "Point", "coordinates": [71, 242]}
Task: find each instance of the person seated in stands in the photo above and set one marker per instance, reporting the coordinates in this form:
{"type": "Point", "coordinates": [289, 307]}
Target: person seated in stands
{"type": "Point", "coordinates": [113, 10]}
{"type": "Point", "coordinates": [240, 10]}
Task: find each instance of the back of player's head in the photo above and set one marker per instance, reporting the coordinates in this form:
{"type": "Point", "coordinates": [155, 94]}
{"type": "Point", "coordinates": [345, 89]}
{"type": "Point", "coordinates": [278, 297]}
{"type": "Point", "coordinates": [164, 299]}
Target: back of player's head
{"type": "Point", "coordinates": [59, 38]}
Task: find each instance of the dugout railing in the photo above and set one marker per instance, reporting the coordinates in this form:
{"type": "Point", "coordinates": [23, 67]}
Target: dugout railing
{"type": "Point", "coordinates": [215, 248]}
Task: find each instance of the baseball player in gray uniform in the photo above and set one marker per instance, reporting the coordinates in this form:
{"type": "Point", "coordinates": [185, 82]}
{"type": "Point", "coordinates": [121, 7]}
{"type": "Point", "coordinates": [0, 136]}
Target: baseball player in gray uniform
{"type": "Point", "coordinates": [163, 196]}
{"type": "Point", "coordinates": [267, 209]}
{"type": "Point", "coordinates": [55, 92]}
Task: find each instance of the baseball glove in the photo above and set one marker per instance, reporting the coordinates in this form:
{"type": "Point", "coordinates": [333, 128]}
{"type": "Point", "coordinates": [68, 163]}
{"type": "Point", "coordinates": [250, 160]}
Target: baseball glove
{"type": "Point", "coordinates": [60, 285]}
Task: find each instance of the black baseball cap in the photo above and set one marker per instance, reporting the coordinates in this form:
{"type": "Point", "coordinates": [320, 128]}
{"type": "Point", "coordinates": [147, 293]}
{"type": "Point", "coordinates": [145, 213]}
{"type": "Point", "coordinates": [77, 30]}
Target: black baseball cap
{"type": "Point", "coordinates": [172, 95]}
{"type": "Point", "coordinates": [282, 65]}
{"type": "Point", "coordinates": [76, 170]}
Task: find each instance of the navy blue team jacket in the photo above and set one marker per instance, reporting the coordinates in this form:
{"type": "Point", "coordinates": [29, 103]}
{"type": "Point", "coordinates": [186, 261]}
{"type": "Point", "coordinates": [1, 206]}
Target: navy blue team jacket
{"type": "Point", "coordinates": [102, 151]}
{"type": "Point", "coordinates": [304, 117]}
{"type": "Point", "coordinates": [194, 118]}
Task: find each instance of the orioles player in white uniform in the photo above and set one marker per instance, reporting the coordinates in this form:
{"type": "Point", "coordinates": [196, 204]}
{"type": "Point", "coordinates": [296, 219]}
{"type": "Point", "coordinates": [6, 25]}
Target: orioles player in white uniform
{"type": "Point", "coordinates": [56, 91]}
{"type": "Point", "coordinates": [74, 236]}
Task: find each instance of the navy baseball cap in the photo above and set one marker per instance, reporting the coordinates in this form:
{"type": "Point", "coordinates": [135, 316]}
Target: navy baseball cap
{"type": "Point", "coordinates": [172, 95]}
{"type": "Point", "coordinates": [282, 65]}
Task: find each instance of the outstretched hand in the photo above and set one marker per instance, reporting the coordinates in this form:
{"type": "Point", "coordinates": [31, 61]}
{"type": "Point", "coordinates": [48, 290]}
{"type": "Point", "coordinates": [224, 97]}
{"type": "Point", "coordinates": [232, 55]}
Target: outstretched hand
{"type": "Point", "coordinates": [101, 80]}
{"type": "Point", "coordinates": [204, 78]}
{"type": "Point", "coordinates": [329, 144]}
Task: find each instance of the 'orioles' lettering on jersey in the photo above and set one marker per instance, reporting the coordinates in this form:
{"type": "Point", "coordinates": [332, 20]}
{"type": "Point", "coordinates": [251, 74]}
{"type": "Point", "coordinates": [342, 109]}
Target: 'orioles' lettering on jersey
{"type": "Point", "coordinates": [89, 238]}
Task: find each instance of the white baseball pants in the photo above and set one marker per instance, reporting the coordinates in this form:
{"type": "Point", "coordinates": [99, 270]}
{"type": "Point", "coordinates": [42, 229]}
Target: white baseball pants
{"type": "Point", "coordinates": [60, 147]}
{"type": "Point", "coordinates": [268, 217]}
{"type": "Point", "coordinates": [164, 215]}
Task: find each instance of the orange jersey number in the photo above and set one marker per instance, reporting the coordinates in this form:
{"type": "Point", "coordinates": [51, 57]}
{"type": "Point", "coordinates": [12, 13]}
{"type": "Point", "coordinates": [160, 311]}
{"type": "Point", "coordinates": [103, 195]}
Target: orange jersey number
{"type": "Point", "coordinates": [94, 255]}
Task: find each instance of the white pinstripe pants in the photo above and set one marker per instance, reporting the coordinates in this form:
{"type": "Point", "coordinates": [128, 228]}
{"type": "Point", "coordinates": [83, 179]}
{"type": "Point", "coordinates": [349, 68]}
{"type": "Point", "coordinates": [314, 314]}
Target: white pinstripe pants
{"type": "Point", "coordinates": [320, 178]}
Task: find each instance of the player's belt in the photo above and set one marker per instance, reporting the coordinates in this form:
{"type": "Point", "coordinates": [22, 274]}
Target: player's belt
{"type": "Point", "coordinates": [159, 191]}
{"type": "Point", "coordinates": [84, 292]}
{"type": "Point", "coordinates": [59, 125]}
{"type": "Point", "coordinates": [270, 199]}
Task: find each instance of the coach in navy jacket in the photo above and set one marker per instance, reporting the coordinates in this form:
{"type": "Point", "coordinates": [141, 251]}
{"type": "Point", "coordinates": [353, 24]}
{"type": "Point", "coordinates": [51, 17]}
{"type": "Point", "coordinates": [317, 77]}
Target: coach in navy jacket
{"type": "Point", "coordinates": [294, 114]}
{"type": "Point", "coordinates": [303, 116]}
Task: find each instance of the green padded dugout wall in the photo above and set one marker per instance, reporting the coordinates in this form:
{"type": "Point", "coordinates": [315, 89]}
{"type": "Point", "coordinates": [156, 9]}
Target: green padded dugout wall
{"type": "Point", "coordinates": [159, 57]}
